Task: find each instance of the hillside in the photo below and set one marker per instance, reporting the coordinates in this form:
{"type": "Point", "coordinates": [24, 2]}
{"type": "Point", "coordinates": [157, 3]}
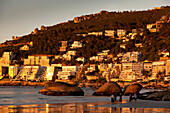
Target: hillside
{"type": "Point", "coordinates": [46, 40]}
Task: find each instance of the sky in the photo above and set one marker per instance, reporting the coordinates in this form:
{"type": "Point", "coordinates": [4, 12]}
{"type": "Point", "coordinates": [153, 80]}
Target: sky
{"type": "Point", "coordinates": [21, 17]}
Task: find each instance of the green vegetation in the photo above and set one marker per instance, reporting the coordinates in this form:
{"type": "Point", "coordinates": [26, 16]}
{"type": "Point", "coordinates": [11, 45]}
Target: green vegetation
{"type": "Point", "coordinates": [47, 41]}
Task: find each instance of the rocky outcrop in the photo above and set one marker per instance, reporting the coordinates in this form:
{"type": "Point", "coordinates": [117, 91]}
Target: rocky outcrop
{"type": "Point", "coordinates": [109, 88]}
{"type": "Point", "coordinates": [161, 96]}
{"type": "Point", "coordinates": [132, 89]}
{"type": "Point", "coordinates": [62, 89]}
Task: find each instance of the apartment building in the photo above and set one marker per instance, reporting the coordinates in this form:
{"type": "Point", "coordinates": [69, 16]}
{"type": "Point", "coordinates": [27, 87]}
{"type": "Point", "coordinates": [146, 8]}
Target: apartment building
{"type": "Point", "coordinates": [132, 57]}
{"type": "Point", "coordinates": [6, 58]}
{"type": "Point", "coordinates": [42, 60]}
{"type": "Point", "coordinates": [157, 66]}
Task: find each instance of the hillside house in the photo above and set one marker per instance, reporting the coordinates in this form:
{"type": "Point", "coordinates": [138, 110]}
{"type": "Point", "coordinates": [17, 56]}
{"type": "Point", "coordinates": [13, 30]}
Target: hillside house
{"type": "Point", "coordinates": [132, 57]}
{"type": "Point", "coordinates": [139, 45]}
{"type": "Point", "coordinates": [121, 32]}
{"type": "Point", "coordinates": [82, 59]}
{"type": "Point", "coordinates": [64, 45]}
{"type": "Point", "coordinates": [72, 52]}
{"type": "Point", "coordinates": [76, 44]}
{"type": "Point", "coordinates": [96, 33]}
{"type": "Point", "coordinates": [123, 46]}
{"type": "Point", "coordinates": [110, 33]}
{"type": "Point", "coordinates": [25, 47]}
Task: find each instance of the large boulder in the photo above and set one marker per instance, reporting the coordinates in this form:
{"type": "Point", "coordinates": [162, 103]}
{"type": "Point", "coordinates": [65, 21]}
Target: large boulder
{"type": "Point", "coordinates": [160, 95]}
{"type": "Point", "coordinates": [132, 89]}
{"type": "Point", "coordinates": [62, 89]}
{"type": "Point", "coordinates": [109, 88]}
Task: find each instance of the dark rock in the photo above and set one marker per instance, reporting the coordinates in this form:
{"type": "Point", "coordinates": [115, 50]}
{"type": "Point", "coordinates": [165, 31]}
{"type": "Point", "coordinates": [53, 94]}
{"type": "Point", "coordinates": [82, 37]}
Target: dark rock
{"type": "Point", "coordinates": [62, 89]}
{"type": "Point", "coordinates": [160, 96]}
{"type": "Point", "coordinates": [109, 88]}
{"type": "Point", "coordinates": [132, 89]}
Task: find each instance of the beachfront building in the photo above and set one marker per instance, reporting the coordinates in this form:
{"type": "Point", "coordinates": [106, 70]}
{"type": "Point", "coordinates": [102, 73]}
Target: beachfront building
{"type": "Point", "coordinates": [30, 73]}
{"type": "Point", "coordinates": [41, 60]}
{"type": "Point", "coordinates": [13, 71]}
{"type": "Point", "coordinates": [147, 66]}
{"type": "Point", "coordinates": [167, 67]}
{"type": "Point", "coordinates": [67, 71]}
{"type": "Point", "coordinates": [131, 71]}
{"type": "Point", "coordinates": [6, 58]}
{"type": "Point", "coordinates": [157, 68]}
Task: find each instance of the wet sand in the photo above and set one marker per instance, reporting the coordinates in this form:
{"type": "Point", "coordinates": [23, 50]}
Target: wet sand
{"type": "Point", "coordinates": [140, 106]}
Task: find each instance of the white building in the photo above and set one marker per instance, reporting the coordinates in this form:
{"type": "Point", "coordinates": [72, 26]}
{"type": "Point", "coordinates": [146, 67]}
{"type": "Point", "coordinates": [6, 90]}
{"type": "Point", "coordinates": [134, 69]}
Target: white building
{"type": "Point", "coordinates": [121, 32]}
{"type": "Point", "coordinates": [67, 71]}
{"type": "Point", "coordinates": [110, 33]}
{"type": "Point", "coordinates": [42, 60]}
{"type": "Point", "coordinates": [158, 66]}
{"type": "Point", "coordinates": [82, 59]}
{"type": "Point", "coordinates": [131, 71]}
{"type": "Point", "coordinates": [96, 33]}
{"type": "Point", "coordinates": [76, 44]}
{"type": "Point", "coordinates": [6, 58]}
{"type": "Point", "coordinates": [167, 67]}
{"type": "Point", "coordinates": [132, 57]}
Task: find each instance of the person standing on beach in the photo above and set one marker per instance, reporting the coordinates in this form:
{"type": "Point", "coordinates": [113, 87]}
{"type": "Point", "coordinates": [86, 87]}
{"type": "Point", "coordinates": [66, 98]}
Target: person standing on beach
{"type": "Point", "coordinates": [135, 97]}
{"type": "Point", "coordinates": [130, 97]}
{"type": "Point", "coordinates": [120, 99]}
{"type": "Point", "coordinates": [112, 98]}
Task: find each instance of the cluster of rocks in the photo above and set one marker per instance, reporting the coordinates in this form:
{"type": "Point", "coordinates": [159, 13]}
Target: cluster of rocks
{"type": "Point", "coordinates": [156, 95]}
{"type": "Point", "coordinates": [62, 89]}
{"type": "Point", "coordinates": [108, 89]}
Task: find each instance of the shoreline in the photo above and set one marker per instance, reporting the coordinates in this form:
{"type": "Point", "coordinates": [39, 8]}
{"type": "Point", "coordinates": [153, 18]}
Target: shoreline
{"type": "Point", "coordinates": [99, 107]}
{"type": "Point", "coordinates": [21, 83]}
{"type": "Point", "coordinates": [124, 104]}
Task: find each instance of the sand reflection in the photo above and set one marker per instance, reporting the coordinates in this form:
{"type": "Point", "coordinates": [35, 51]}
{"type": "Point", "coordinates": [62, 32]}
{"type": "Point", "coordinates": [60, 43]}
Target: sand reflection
{"type": "Point", "coordinates": [98, 107]}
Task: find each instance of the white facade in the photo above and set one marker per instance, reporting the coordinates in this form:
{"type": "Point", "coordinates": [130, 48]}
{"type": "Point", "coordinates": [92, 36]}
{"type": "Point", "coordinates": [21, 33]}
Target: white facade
{"type": "Point", "coordinates": [158, 66]}
{"type": "Point", "coordinates": [42, 60]}
{"type": "Point", "coordinates": [131, 71]}
{"type": "Point", "coordinates": [110, 33]}
{"type": "Point", "coordinates": [6, 58]}
{"type": "Point", "coordinates": [76, 44]}
{"type": "Point", "coordinates": [121, 32]}
{"type": "Point", "coordinates": [132, 57]}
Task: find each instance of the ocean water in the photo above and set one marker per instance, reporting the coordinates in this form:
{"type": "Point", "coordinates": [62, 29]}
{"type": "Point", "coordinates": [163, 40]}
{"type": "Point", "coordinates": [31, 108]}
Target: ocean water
{"type": "Point", "coordinates": [19, 99]}
{"type": "Point", "coordinates": [19, 95]}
